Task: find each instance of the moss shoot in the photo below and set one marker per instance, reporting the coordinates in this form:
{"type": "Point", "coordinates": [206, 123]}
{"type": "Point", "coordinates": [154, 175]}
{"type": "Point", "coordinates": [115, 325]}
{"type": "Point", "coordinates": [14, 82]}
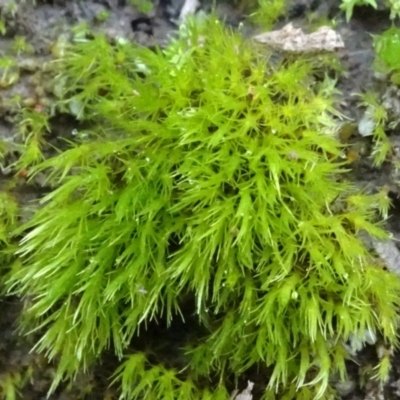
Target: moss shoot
{"type": "Point", "coordinates": [207, 178]}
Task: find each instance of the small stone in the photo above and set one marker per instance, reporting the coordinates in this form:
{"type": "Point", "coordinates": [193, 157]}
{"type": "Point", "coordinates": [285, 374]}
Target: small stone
{"type": "Point", "coordinates": [294, 40]}
{"type": "Point", "coordinates": [245, 394]}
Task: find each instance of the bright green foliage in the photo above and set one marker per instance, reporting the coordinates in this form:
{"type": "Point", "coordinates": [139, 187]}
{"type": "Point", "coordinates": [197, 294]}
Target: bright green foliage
{"type": "Point", "coordinates": [387, 48]}
{"type": "Point", "coordinates": [387, 60]}
{"type": "Point", "coordinates": [21, 46]}
{"type": "Point", "coordinates": [267, 12]}
{"type": "Point", "coordinates": [9, 73]}
{"type": "Point", "coordinates": [3, 28]}
{"type": "Point", "coordinates": [8, 205]}
{"type": "Point", "coordinates": [8, 217]}
{"type": "Point", "coordinates": [12, 382]}
{"type": "Point", "coordinates": [143, 6]}
{"type": "Point", "coordinates": [382, 146]}
{"type": "Point", "coordinates": [9, 385]}
{"type": "Point", "coordinates": [9, 213]}
{"type": "Point", "coordinates": [32, 128]}
{"type": "Point", "coordinates": [209, 175]}
{"type": "Point", "coordinates": [156, 382]}
{"type": "Point", "coordinates": [348, 6]}
{"type": "Point", "coordinates": [392, 5]}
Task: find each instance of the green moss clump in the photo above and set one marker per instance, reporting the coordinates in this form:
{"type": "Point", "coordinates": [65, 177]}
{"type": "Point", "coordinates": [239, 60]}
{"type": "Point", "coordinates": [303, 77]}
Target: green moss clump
{"type": "Point", "coordinates": [9, 212]}
{"type": "Point", "coordinates": [209, 177]}
{"type": "Point", "coordinates": [8, 218]}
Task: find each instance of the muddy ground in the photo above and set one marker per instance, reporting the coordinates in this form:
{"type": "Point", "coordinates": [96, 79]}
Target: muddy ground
{"type": "Point", "coordinates": [45, 25]}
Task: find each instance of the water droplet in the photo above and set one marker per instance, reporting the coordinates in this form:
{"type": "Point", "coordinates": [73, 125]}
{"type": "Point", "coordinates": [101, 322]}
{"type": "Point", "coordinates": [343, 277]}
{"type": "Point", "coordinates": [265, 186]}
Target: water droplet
{"type": "Point", "coordinates": [141, 289]}
{"type": "Point", "coordinates": [292, 155]}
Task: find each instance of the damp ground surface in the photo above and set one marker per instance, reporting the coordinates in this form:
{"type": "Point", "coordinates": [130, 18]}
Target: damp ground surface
{"type": "Point", "coordinates": [45, 25]}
